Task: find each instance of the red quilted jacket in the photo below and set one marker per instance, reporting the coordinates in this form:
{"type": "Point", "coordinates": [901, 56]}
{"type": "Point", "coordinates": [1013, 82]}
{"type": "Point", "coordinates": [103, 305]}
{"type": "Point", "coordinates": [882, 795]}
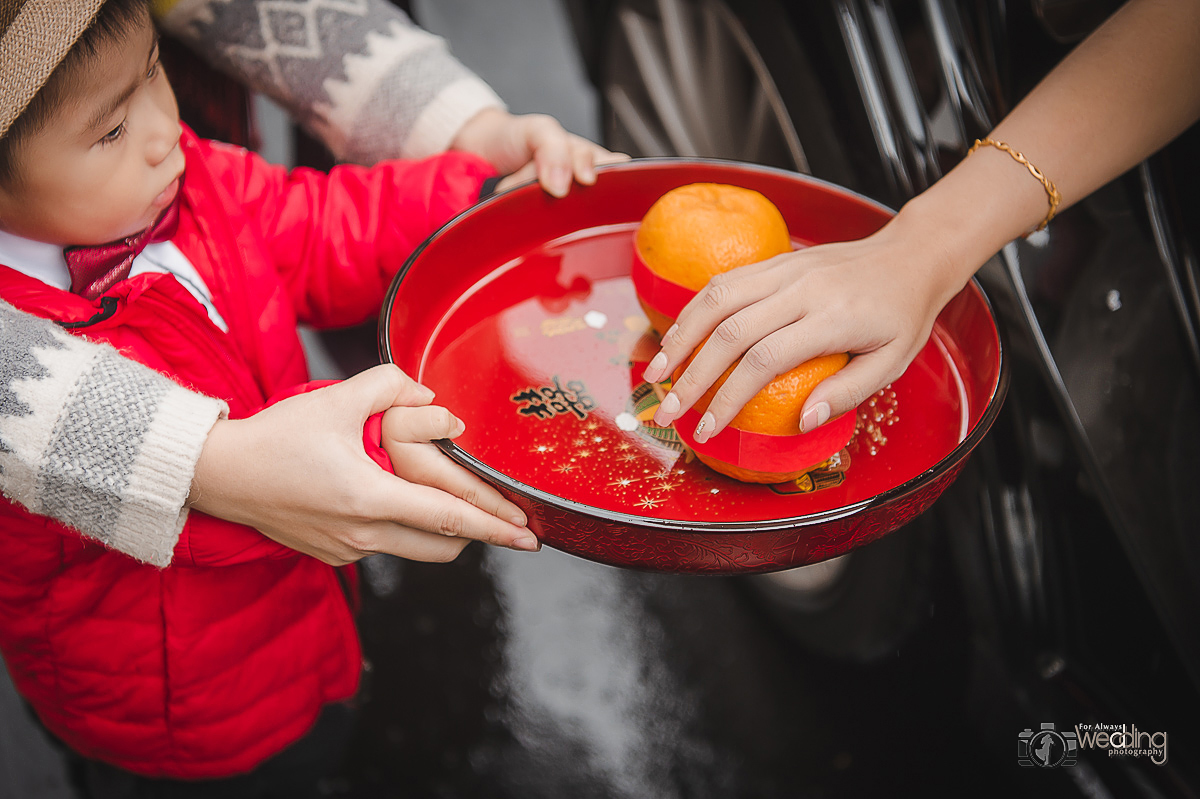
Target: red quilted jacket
{"type": "Point", "coordinates": [209, 666]}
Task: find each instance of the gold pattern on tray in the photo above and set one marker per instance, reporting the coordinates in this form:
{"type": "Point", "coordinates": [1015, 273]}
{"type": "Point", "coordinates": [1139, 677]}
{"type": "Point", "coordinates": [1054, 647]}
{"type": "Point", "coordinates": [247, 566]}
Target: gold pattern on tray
{"type": "Point", "coordinates": [561, 325]}
{"type": "Point", "coordinates": [824, 475]}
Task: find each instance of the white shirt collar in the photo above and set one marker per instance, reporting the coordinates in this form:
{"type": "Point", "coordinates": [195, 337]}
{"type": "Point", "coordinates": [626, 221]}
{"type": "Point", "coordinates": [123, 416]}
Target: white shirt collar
{"type": "Point", "coordinates": [36, 259]}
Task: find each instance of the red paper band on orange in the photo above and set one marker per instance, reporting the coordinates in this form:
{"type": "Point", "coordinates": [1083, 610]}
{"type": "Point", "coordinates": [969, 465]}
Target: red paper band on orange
{"type": "Point", "coordinates": [665, 296]}
{"type": "Point", "coordinates": [766, 453]}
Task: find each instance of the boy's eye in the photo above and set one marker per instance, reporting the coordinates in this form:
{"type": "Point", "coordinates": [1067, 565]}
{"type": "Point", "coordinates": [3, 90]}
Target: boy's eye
{"type": "Point", "coordinates": [114, 134]}
{"type": "Point", "coordinates": [155, 68]}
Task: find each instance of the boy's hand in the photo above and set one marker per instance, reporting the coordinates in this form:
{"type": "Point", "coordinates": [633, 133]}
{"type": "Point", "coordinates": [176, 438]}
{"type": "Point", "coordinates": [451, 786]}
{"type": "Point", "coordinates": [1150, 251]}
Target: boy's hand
{"type": "Point", "coordinates": [443, 497]}
{"type": "Point", "coordinates": [532, 145]}
{"type": "Point", "coordinates": [297, 472]}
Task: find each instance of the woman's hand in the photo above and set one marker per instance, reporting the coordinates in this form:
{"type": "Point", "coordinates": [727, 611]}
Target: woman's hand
{"type": "Point", "coordinates": [875, 298]}
{"type": "Point", "coordinates": [297, 471]}
{"type": "Point", "coordinates": [532, 145]}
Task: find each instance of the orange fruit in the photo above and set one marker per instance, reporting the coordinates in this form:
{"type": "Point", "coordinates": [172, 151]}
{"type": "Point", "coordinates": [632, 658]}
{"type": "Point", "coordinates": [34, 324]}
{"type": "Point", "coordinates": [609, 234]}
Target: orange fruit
{"type": "Point", "coordinates": [773, 411]}
{"type": "Point", "coordinates": [697, 231]}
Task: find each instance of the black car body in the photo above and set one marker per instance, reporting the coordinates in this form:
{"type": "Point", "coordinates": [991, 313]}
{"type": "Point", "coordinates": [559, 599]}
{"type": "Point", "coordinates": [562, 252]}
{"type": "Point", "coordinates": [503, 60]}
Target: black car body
{"type": "Point", "coordinates": [1074, 532]}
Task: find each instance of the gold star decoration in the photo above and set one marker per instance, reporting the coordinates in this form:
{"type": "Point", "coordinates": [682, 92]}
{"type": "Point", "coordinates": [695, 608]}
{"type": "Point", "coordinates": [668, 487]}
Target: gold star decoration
{"type": "Point", "coordinates": [564, 469]}
{"type": "Point", "coordinates": [649, 503]}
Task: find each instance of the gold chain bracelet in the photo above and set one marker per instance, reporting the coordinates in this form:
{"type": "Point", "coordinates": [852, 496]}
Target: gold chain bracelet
{"type": "Point", "coordinates": [1051, 190]}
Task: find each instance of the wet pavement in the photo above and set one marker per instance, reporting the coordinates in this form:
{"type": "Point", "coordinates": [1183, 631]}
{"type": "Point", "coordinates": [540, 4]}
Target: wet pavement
{"type": "Point", "coordinates": [510, 675]}
{"type": "Point", "coordinates": [515, 676]}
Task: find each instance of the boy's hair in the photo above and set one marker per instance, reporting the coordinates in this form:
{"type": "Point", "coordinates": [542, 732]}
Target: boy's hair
{"type": "Point", "coordinates": [37, 67]}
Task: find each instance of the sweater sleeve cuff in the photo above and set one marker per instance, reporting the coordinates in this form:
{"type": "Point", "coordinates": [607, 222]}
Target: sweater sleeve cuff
{"type": "Point", "coordinates": [441, 120]}
{"type": "Point", "coordinates": [152, 508]}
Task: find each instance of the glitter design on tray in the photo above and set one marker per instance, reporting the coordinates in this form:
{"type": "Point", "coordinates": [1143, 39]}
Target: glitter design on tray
{"type": "Point", "coordinates": [875, 416]}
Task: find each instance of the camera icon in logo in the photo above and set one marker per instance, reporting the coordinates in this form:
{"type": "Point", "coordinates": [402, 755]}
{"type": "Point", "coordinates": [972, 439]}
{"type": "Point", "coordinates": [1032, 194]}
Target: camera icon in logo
{"type": "Point", "coordinates": [1047, 747]}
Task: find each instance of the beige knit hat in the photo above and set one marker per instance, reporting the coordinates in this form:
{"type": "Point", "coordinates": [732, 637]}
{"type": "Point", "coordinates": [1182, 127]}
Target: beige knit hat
{"type": "Point", "coordinates": [35, 36]}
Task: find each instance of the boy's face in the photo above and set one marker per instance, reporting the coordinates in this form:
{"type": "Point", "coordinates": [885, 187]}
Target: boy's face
{"type": "Point", "coordinates": [107, 162]}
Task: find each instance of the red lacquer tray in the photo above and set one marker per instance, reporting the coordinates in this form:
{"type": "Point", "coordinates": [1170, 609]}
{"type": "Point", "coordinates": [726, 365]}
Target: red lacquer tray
{"type": "Point", "coordinates": [521, 315]}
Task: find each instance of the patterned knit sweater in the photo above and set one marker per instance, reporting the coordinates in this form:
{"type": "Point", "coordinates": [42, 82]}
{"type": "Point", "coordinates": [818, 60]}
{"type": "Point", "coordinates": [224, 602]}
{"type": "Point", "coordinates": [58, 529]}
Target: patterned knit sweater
{"type": "Point", "coordinates": [104, 444]}
{"type": "Point", "coordinates": [357, 73]}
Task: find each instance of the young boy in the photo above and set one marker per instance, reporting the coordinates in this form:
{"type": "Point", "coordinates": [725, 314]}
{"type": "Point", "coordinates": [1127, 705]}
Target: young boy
{"type": "Point", "coordinates": [197, 259]}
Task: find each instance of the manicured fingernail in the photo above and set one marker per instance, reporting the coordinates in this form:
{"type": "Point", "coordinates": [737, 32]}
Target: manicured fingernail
{"type": "Point", "coordinates": [560, 181]}
{"type": "Point", "coordinates": [706, 428]}
{"type": "Point", "coordinates": [426, 392]}
{"type": "Point", "coordinates": [518, 519]}
{"type": "Point", "coordinates": [460, 427]}
{"type": "Point", "coordinates": [669, 406]}
{"type": "Point", "coordinates": [658, 366]}
{"type": "Point", "coordinates": [814, 417]}
{"type": "Point", "coordinates": [527, 543]}
{"type": "Point", "coordinates": [670, 332]}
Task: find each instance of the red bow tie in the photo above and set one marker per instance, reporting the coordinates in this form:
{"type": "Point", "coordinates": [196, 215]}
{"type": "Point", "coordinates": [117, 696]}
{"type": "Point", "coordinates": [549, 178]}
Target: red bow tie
{"type": "Point", "coordinates": [95, 269]}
